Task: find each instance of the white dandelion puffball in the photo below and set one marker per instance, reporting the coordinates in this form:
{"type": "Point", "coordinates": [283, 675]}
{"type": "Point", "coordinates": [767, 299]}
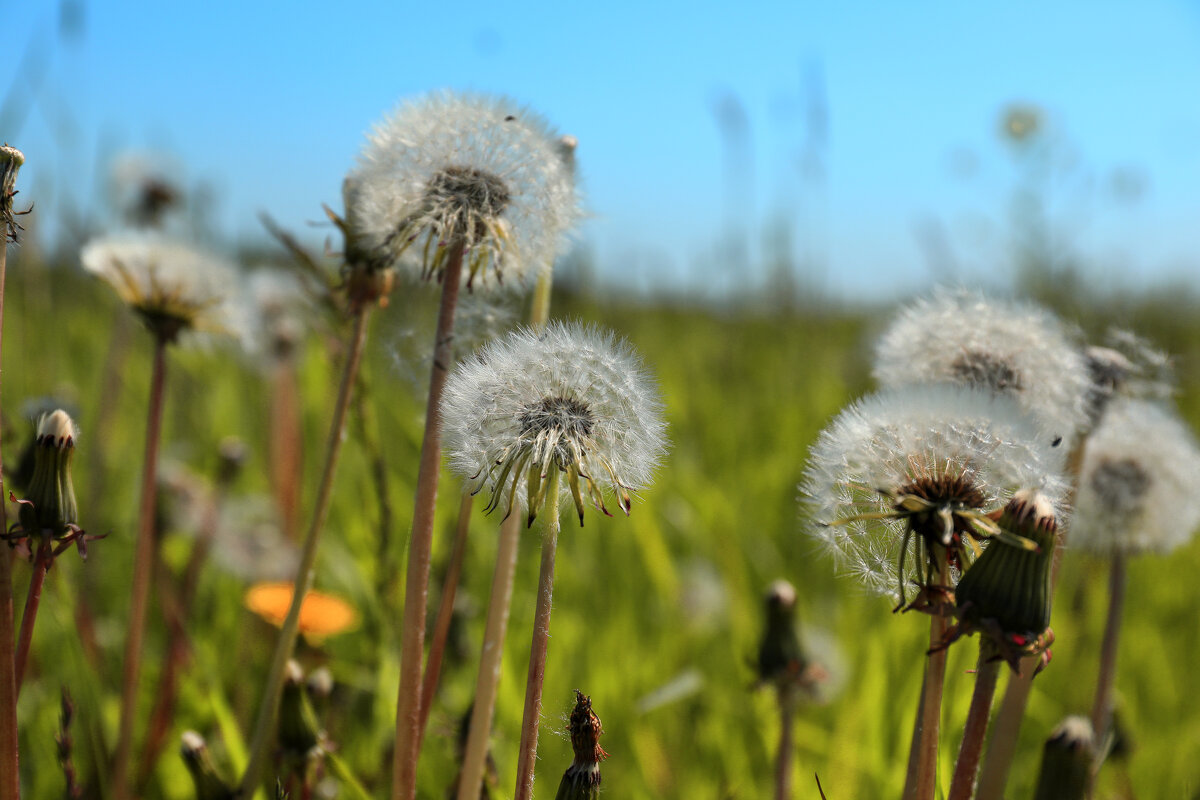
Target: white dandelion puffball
{"type": "Point", "coordinates": [962, 450]}
{"type": "Point", "coordinates": [172, 286]}
{"type": "Point", "coordinates": [462, 166]}
{"type": "Point", "coordinates": [1011, 348]}
{"type": "Point", "coordinates": [572, 399]}
{"type": "Point", "coordinates": [1139, 484]}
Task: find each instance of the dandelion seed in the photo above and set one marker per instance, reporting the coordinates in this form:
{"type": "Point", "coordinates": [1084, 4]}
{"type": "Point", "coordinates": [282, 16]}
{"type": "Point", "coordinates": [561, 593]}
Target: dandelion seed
{"type": "Point", "coordinates": [1139, 485]}
{"type": "Point", "coordinates": [1012, 349]}
{"type": "Point", "coordinates": [905, 472]}
{"type": "Point", "coordinates": [171, 286]}
{"type": "Point", "coordinates": [574, 399]}
{"type": "Point", "coordinates": [466, 167]}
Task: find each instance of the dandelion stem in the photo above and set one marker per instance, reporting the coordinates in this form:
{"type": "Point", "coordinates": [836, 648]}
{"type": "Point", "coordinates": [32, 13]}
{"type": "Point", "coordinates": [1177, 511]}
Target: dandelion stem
{"type": "Point", "coordinates": [143, 562]}
{"type": "Point", "coordinates": [499, 604]}
{"type": "Point", "coordinates": [10, 786]}
{"type": "Point", "coordinates": [285, 445]}
{"type": "Point", "coordinates": [1102, 709]}
{"type": "Point", "coordinates": [962, 785]}
{"type": "Point", "coordinates": [931, 697]}
{"type": "Point", "coordinates": [527, 758]}
{"type": "Point", "coordinates": [910, 775]}
{"type": "Point", "coordinates": [441, 628]}
{"type": "Point", "coordinates": [783, 759]}
{"type": "Point", "coordinates": [264, 726]}
{"type": "Point", "coordinates": [416, 589]}
{"type": "Point", "coordinates": [41, 565]}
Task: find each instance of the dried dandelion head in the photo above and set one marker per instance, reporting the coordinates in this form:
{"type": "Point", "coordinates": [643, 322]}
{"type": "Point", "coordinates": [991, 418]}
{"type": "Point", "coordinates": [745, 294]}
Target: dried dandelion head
{"type": "Point", "coordinates": [1012, 349]}
{"type": "Point", "coordinates": [461, 168]}
{"type": "Point", "coordinates": [571, 399]}
{"type": "Point", "coordinates": [172, 287]}
{"type": "Point", "coordinates": [1139, 483]}
{"type": "Point", "coordinates": [907, 478]}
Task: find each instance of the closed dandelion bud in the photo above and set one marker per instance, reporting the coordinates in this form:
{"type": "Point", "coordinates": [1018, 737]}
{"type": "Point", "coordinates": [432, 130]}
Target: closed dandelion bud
{"type": "Point", "coordinates": [209, 784]}
{"type": "Point", "coordinates": [299, 732]}
{"type": "Point", "coordinates": [1067, 761]}
{"type": "Point", "coordinates": [50, 505]}
{"type": "Point", "coordinates": [780, 657]}
{"type": "Point", "coordinates": [581, 781]}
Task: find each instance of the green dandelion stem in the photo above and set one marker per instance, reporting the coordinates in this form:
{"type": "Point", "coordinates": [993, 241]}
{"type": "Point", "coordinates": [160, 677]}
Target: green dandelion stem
{"type": "Point", "coordinates": [499, 604]}
{"type": "Point", "coordinates": [264, 727]}
{"type": "Point", "coordinates": [527, 758]}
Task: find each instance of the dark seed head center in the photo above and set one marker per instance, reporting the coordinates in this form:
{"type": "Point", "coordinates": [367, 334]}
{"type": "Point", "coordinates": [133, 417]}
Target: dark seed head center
{"type": "Point", "coordinates": [568, 417]}
{"type": "Point", "coordinates": [980, 369]}
{"type": "Point", "coordinates": [469, 191]}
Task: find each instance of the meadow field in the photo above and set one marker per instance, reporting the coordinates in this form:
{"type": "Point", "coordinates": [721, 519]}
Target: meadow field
{"type": "Point", "coordinates": [657, 617]}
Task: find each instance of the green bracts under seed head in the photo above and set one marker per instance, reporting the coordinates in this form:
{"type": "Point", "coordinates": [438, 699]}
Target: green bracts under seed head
{"type": "Point", "coordinates": [51, 507]}
{"type": "Point", "coordinates": [1011, 584]}
{"type": "Point", "coordinates": [1066, 761]}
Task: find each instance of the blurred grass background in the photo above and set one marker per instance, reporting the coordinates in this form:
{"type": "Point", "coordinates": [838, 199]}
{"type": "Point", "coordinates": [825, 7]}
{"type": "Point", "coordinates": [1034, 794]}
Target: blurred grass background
{"type": "Point", "coordinates": [657, 617]}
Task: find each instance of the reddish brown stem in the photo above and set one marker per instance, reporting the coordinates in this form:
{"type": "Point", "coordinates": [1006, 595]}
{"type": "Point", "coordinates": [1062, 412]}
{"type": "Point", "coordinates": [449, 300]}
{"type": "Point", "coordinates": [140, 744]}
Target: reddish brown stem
{"type": "Point", "coordinates": [41, 565]}
{"type": "Point", "coordinates": [931, 697]}
{"type": "Point", "coordinates": [10, 785]}
{"type": "Point", "coordinates": [1102, 709]}
{"type": "Point", "coordinates": [962, 785]}
{"type": "Point", "coordinates": [441, 627]}
{"type": "Point", "coordinates": [783, 759]}
{"type": "Point", "coordinates": [285, 445]}
{"type": "Point", "coordinates": [416, 588]}
{"type": "Point", "coordinates": [143, 564]}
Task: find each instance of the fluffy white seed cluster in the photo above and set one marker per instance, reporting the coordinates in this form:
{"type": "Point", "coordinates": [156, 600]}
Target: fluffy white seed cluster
{"type": "Point", "coordinates": [573, 399]}
{"type": "Point", "coordinates": [1139, 485]}
{"type": "Point", "coordinates": [462, 165]}
{"type": "Point", "coordinates": [174, 287]}
{"type": "Point", "coordinates": [979, 444]}
{"type": "Point", "coordinates": [1010, 348]}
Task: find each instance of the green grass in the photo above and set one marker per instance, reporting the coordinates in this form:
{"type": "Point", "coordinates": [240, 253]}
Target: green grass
{"type": "Point", "coordinates": [671, 593]}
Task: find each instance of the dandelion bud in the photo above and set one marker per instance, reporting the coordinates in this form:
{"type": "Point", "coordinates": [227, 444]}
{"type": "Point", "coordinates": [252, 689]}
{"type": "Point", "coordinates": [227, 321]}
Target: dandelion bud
{"type": "Point", "coordinates": [11, 160]}
{"type": "Point", "coordinates": [51, 498]}
{"type": "Point", "coordinates": [1006, 592]}
{"type": "Point", "coordinates": [1066, 761]}
{"type": "Point", "coordinates": [300, 735]}
{"type": "Point", "coordinates": [209, 784]}
{"type": "Point", "coordinates": [780, 657]}
{"type": "Point", "coordinates": [581, 781]}
{"type": "Point", "coordinates": [232, 454]}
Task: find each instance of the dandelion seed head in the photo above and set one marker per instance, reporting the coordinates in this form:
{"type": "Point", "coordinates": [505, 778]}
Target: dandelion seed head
{"type": "Point", "coordinates": [939, 447]}
{"type": "Point", "coordinates": [572, 398]}
{"type": "Point", "coordinates": [172, 286]}
{"type": "Point", "coordinates": [1009, 348]}
{"type": "Point", "coordinates": [1139, 484]}
{"type": "Point", "coordinates": [1129, 366]}
{"type": "Point", "coordinates": [279, 304]}
{"type": "Point", "coordinates": [462, 166]}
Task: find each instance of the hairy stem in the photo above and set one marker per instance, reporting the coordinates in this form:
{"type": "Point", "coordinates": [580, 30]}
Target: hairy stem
{"type": "Point", "coordinates": [962, 785]}
{"type": "Point", "coordinates": [931, 697]}
{"type": "Point", "coordinates": [264, 727]}
{"type": "Point", "coordinates": [10, 785]}
{"type": "Point", "coordinates": [416, 588]}
{"type": "Point", "coordinates": [499, 603]}
{"type": "Point", "coordinates": [143, 564]}
{"type": "Point", "coordinates": [527, 757]}
{"type": "Point", "coordinates": [41, 565]}
{"type": "Point", "coordinates": [1102, 708]}
{"type": "Point", "coordinates": [441, 627]}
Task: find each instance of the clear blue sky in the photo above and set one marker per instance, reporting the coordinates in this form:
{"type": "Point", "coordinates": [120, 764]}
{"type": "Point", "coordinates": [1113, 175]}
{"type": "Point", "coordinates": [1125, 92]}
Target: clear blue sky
{"type": "Point", "coordinates": [268, 102]}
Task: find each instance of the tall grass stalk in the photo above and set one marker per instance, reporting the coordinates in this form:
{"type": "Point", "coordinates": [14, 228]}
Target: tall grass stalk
{"type": "Point", "coordinates": [143, 562]}
{"type": "Point", "coordinates": [10, 785]}
{"type": "Point", "coordinates": [264, 727]}
{"type": "Point", "coordinates": [962, 785]}
{"type": "Point", "coordinates": [416, 589]}
{"type": "Point", "coordinates": [499, 604]}
{"type": "Point", "coordinates": [527, 757]}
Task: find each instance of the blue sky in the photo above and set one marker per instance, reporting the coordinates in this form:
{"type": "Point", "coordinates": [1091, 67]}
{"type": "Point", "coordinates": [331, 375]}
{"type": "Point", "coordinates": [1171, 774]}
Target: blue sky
{"type": "Point", "coordinates": [268, 104]}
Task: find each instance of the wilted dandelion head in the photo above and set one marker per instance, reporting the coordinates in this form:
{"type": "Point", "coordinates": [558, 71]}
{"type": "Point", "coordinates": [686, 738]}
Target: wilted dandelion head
{"type": "Point", "coordinates": [453, 167]}
{"type": "Point", "coordinates": [905, 472]}
{"type": "Point", "coordinates": [1008, 348]}
{"type": "Point", "coordinates": [571, 399]}
{"type": "Point", "coordinates": [1128, 366]}
{"type": "Point", "coordinates": [173, 287]}
{"type": "Point", "coordinates": [1139, 484]}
